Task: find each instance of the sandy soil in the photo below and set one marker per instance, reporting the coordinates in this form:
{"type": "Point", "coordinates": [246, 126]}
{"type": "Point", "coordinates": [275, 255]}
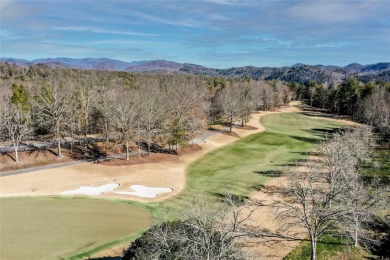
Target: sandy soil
{"type": "Point", "coordinates": [170, 174]}
{"type": "Point", "coordinates": [269, 247]}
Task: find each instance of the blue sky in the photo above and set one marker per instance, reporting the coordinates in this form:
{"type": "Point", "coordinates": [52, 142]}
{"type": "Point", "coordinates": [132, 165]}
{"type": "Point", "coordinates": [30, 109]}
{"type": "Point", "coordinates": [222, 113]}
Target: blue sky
{"type": "Point", "coordinates": [214, 33]}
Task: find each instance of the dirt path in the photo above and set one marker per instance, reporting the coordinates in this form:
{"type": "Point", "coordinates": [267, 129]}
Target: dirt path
{"type": "Point", "coordinates": [163, 174]}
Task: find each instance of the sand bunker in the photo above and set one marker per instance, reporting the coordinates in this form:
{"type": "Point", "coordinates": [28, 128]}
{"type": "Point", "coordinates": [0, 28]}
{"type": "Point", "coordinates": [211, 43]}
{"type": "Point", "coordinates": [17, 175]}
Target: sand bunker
{"type": "Point", "coordinates": [90, 190]}
{"type": "Point", "coordinates": [144, 191]}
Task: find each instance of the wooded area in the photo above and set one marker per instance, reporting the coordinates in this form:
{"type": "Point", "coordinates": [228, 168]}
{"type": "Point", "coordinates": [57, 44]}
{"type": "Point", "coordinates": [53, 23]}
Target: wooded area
{"type": "Point", "coordinates": [150, 110]}
{"type": "Point", "coordinates": [162, 112]}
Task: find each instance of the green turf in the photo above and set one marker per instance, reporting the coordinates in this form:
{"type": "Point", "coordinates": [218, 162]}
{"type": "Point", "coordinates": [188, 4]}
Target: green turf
{"type": "Point", "coordinates": [328, 248]}
{"type": "Point", "coordinates": [239, 167]}
{"type": "Point", "coordinates": [35, 228]}
{"type": "Point", "coordinates": [55, 228]}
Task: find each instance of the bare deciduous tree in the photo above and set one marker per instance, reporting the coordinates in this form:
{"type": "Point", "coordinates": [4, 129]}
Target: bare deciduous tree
{"type": "Point", "coordinates": [307, 204]}
{"type": "Point", "coordinates": [332, 195]}
{"type": "Point", "coordinates": [124, 117]}
{"type": "Point", "coordinates": [230, 102]}
{"type": "Point", "coordinates": [16, 123]}
{"type": "Point", "coordinates": [206, 231]}
{"type": "Point", "coordinates": [151, 109]}
{"type": "Point", "coordinates": [52, 110]}
{"type": "Point", "coordinates": [86, 101]}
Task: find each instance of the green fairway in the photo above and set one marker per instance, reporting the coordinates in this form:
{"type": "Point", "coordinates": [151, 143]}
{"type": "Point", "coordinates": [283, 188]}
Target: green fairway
{"type": "Point", "coordinates": [51, 228]}
{"type": "Point", "coordinates": [239, 167]}
{"type": "Point", "coordinates": [56, 228]}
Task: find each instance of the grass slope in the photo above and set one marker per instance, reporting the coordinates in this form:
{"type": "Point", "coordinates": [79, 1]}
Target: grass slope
{"type": "Point", "coordinates": [241, 166]}
{"type": "Point", "coordinates": [54, 228]}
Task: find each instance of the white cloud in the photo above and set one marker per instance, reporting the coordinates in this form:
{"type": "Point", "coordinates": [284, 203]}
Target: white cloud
{"type": "Point", "coordinates": [186, 22]}
{"type": "Point", "coordinates": [336, 11]}
{"type": "Point", "coordinates": [98, 30]}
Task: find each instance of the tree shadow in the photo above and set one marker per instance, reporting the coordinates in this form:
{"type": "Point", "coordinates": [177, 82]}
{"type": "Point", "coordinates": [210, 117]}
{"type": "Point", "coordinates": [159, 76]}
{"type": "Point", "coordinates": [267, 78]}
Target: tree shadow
{"type": "Point", "coordinates": [95, 152]}
{"type": "Point", "coordinates": [9, 155]}
{"type": "Point", "coordinates": [383, 181]}
{"type": "Point", "coordinates": [381, 249]}
{"type": "Point", "coordinates": [305, 139]}
{"type": "Point", "coordinates": [324, 132]}
{"type": "Point", "coordinates": [270, 173]}
{"type": "Point", "coordinates": [41, 150]}
{"type": "Point", "coordinates": [258, 187]}
{"type": "Point", "coordinates": [238, 200]}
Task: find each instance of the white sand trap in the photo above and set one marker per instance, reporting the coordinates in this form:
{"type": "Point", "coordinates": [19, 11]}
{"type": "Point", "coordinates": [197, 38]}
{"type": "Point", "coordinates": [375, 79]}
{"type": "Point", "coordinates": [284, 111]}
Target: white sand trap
{"type": "Point", "coordinates": [90, 190]}
{"type": "Point", "coordinates": [144, 191]}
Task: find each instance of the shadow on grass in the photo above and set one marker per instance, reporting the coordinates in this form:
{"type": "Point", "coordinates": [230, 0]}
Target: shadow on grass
{"type": "Point", "coordinates": [324, 132]}
{"type": "Point", "coordinates": [305, 139]}
{"type": "Point", "coordinates": [230, 197]}
{"type": "Point", "coordinates": [258, 187]}
{"type": "Point", "coordinates": [270, 173]}
{"type": "Point", "coordinates": [378, 181]}
{"type": "Point", "coordinates": [382, 229]}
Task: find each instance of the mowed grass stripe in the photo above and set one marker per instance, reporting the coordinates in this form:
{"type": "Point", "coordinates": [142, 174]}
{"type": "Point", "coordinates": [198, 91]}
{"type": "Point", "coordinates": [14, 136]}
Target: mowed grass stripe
{"type": "Point", "coordinates": [55, 228]}
{"type": "Point", "coordinates": [238, 167]}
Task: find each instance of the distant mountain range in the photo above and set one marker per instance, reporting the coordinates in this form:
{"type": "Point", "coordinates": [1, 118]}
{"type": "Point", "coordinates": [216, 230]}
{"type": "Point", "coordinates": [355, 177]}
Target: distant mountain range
{"type": "Point", "coordinates": [299, 72]}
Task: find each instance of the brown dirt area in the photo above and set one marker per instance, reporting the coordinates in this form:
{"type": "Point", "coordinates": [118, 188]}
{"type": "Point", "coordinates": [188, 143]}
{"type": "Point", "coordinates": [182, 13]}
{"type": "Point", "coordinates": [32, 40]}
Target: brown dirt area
{"type": "Point", "coordinates": [29, 159]}
{"type": "Point", "coordinates": [271, 247]}
{"type": "Point", "coordinates": [153, 157]}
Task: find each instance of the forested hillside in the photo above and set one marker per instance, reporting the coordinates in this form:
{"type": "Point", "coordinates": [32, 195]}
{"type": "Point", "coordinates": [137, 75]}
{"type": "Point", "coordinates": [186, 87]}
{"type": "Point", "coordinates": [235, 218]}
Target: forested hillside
{"type": "Point", "coordinates": [300, 73]}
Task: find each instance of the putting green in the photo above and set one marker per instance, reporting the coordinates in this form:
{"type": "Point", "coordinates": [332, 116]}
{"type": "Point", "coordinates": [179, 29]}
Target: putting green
{"type": "Point", "coordinates": [56, 228]}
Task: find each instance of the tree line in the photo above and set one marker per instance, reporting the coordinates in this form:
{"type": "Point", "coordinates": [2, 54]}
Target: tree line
{"type": "Point", "coordinates": [332, 198]}
{"type": "Point", "coordinates": [149, 110]}
{"type": "Point", "coordinates": [368, 103]}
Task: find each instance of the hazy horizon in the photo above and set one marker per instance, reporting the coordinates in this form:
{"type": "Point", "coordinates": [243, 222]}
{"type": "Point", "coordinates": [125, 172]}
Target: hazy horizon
{"type": "Point", "coordinates": [211, 33]}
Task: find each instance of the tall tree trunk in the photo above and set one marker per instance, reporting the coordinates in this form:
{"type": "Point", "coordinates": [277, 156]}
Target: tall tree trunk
{"type": "Point", "coordinates": [16, 147]}
{"type": "Point", "coordinates": [85, 145]}
{"type": "Point", "coordinates": [58, 139]}
{"type": "Point", "coordinates": [127, 150]}
{"type": "Point", "coordinates": [148, 142]}
{"type": "Point", "coordinates": [59, 148]}
{"type": "Point", "coordinates": [231, 123]}
{"type": "Point", "coordinates": [139, 142]}
{"type": "Point", "coordinates": [313, 248]}
{"type": "Point", "coordinates": [106, 130]}
{"type": "Point", "coordinates": [356, 230]}
{"type": "Point", "coordinates": [71, 145]}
